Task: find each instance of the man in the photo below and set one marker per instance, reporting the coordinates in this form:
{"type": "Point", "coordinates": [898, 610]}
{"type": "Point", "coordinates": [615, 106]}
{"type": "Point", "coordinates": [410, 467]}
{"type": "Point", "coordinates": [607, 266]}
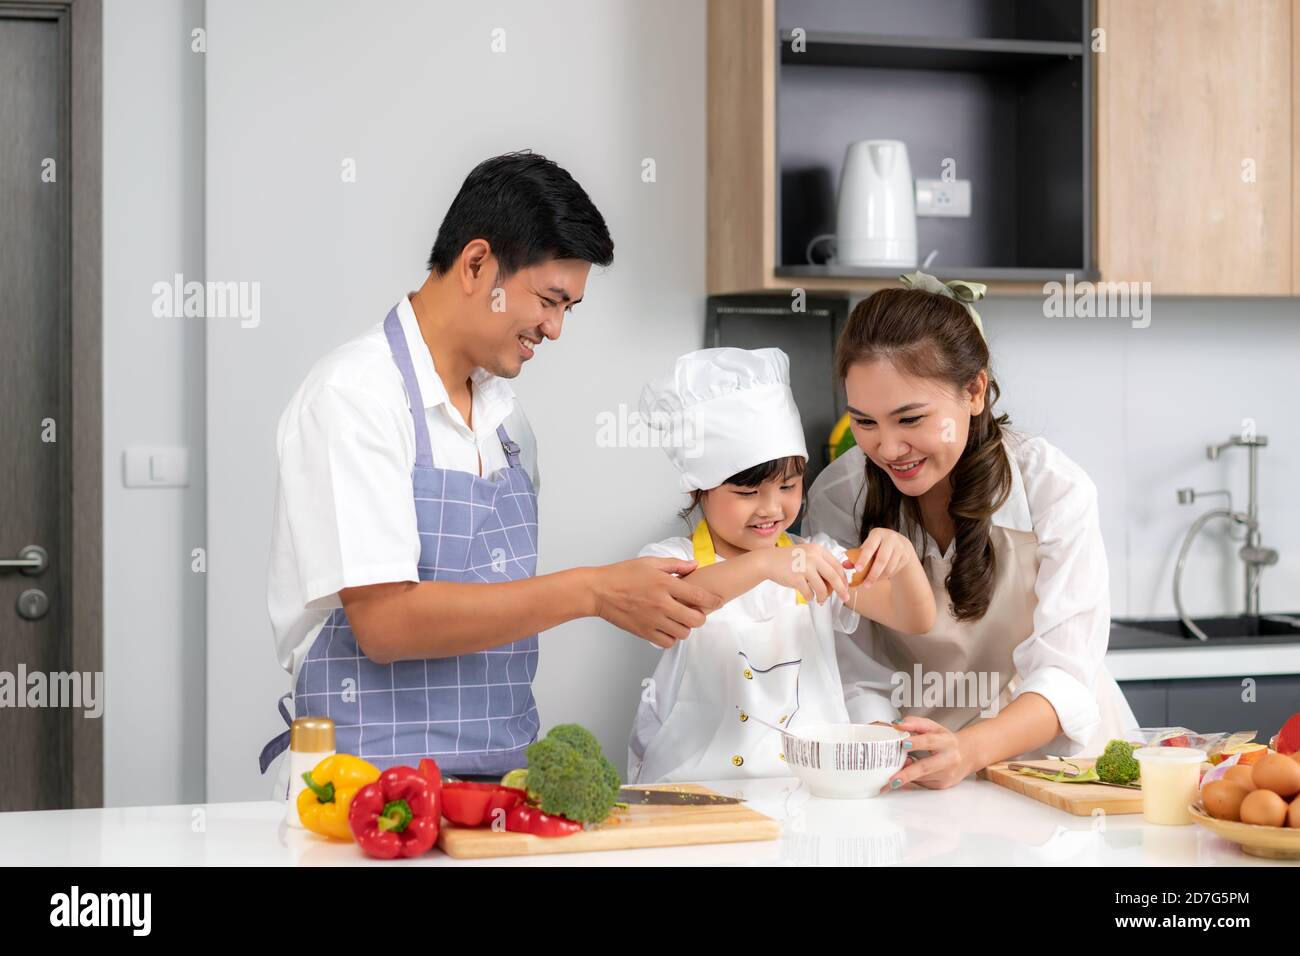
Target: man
{"type": "Point", "coordinates": [403, 590]}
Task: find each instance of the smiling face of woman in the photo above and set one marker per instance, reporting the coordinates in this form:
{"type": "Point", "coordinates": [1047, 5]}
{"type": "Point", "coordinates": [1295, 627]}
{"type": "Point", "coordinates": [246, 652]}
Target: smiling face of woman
{"type": "Point", "coordinates": [913, 428]}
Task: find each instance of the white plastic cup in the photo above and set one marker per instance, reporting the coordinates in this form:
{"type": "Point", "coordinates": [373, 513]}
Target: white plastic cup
{"type": "Point", "coordinates": [1171, 778]}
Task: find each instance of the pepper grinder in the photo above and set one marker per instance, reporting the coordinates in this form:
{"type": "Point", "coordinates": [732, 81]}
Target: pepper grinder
{"type": "Point", "coordinates": [311, 740]}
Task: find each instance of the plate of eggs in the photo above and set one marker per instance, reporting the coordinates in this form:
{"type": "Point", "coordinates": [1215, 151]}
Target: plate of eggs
{"type": "Point", "coordinates": [1256, 805]}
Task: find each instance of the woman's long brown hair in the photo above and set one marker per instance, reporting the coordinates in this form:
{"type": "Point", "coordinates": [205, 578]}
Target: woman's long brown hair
{"type": "Point", "coordinates": [928, 335]}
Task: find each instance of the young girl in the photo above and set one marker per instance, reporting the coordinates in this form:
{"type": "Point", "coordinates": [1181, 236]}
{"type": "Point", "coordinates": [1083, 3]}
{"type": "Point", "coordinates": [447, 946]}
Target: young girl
{"type": "Point", "coordinates": [768, 653]}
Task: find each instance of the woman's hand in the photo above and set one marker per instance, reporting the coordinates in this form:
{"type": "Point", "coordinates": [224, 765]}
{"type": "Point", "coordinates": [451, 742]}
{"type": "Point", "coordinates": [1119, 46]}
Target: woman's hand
{"type": "Point", "coordinates": [892, 552]}
{"type": "Point", "coordinates": [948, 762]}
{"type": "Point", "coordinates": [808, 568]}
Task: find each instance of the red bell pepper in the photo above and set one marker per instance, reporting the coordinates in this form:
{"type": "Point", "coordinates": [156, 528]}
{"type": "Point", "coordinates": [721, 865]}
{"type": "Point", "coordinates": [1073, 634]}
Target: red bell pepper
{"type": "Point", "coordinates": [470, 804]}
{"type": "Point", "coordinates": [525, 819]}
{"type": "Point", "coordinates": [429, 770]}
{"type": "Point", "coordinates": [1287, 740]}
{"type": "Point", "coordinates": [397, 815]}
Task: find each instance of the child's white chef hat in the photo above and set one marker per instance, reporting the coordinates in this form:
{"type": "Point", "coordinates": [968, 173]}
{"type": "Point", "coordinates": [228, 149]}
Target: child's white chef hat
{"type": "Point", "coordinates": [720, 411]}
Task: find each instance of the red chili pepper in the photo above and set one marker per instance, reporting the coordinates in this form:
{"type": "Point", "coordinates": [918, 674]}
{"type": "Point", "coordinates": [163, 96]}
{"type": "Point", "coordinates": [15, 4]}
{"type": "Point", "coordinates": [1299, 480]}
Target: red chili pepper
{"type": "Point", "coordinates": [526, 819]}
{"type": "Point", "coordinates": [397, 815]}
{"type": "Point", "coordinates": [469, 804]}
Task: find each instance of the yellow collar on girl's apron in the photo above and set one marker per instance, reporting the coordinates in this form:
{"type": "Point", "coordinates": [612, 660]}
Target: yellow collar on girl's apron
{"type": "Point", "coordinates": [702, 541]}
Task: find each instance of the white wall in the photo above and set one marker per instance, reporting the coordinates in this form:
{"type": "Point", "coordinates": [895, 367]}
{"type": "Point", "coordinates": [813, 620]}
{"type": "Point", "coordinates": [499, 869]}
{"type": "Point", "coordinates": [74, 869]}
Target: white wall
{"type": "Point", "coordinates": [292, 89]}
{"type": "Point", "coordinates": [1136, 407]}
{"type": "Point", "coordinates": [153, 394]}
{"type": "Point", "coordinates": [413, 93]}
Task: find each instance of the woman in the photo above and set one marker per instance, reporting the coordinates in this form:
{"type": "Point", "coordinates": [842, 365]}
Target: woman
{"type": "Point", "coordinates": [1008, 531]}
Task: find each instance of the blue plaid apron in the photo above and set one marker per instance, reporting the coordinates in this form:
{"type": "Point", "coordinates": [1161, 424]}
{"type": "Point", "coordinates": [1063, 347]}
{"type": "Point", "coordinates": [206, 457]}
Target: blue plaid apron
{"type": "Point", "coordinates": [474, 713]}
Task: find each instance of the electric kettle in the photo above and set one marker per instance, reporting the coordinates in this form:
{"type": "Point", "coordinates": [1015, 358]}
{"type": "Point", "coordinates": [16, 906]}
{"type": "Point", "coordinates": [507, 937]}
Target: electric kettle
{"type": "Point", "coordinates": [875, 222]}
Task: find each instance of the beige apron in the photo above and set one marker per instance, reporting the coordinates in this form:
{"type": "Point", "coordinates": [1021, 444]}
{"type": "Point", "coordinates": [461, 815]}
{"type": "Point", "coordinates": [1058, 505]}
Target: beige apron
{"type": "Point", "coordinates": [973, 659]}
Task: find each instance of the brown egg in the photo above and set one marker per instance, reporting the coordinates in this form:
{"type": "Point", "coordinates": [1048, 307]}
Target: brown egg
{"type": "Point", "coordinates": [1293, 814]}
{"type": "Point", "coordinates": [1222, 799]}
{"type": "Point", "coordinates": [1277, 773]}
{"type": "Point", "coordinates": [1241, 776]}
{"type": "Point", "coordinates": [852, 555]}
{"type": "Point", "coordinates": [1263, 808]}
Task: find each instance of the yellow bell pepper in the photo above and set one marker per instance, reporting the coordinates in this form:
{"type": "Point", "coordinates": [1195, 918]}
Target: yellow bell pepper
{"type": "Point", "coordinates": [331, 785]}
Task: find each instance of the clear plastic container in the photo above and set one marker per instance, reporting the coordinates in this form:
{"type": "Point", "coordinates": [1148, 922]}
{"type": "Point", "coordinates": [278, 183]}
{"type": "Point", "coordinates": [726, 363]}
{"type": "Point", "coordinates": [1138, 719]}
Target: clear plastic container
{"type": "Point", "coordinates": [1170, 779]}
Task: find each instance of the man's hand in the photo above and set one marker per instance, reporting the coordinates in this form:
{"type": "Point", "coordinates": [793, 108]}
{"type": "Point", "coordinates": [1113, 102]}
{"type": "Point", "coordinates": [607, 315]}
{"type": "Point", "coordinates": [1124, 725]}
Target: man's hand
{"type": "Point", "coordinates": [643, 597]}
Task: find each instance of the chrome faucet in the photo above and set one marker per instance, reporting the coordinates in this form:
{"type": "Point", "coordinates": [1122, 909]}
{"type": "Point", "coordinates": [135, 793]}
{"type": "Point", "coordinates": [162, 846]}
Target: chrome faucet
{"type": "Point", "coordinates": [1252, 554]}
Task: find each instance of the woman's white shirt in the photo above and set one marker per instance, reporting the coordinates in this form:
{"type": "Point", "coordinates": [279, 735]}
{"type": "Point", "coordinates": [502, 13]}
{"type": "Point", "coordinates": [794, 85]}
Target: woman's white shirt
{"type": "Point", "coordinates": [1052, 497]}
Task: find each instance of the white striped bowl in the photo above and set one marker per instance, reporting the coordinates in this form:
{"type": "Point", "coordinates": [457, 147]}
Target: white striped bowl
{"type": "Point", "coordinates": [845, 761]}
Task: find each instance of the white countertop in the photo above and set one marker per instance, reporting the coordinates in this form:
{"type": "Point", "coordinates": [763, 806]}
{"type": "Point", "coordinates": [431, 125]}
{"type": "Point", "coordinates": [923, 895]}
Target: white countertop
{"type": "Point", "coordinates": [976, 823]}
{"type": "Point", "coordinates": [1197, 660]}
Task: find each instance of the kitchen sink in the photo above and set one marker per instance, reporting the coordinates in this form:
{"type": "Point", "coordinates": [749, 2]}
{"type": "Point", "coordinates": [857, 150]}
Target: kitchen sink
{"type": "Point", "coordinates": [1279, 628]}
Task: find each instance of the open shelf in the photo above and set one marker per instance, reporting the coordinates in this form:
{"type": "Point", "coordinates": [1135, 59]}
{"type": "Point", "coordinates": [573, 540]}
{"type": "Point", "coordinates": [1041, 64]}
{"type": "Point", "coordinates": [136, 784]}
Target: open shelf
{"type": "Point", "coordinates": [891, 52]}
{"type": "Point", "coordinates": [998, 20]}
{"type": "Point", "coordinates": [971, 273]}
{"type": "Point", "coordinates": [1006, 97]}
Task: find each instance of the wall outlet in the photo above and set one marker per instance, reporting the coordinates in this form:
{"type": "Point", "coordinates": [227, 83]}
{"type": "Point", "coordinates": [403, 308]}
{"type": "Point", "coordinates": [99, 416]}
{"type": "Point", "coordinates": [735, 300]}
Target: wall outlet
{"type": "Point", "coordinates": [935, 197]}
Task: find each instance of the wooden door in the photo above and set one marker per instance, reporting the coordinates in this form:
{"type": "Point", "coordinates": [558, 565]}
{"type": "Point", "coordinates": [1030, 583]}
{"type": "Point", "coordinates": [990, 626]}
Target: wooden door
{"type": "Point", "coordinates": [51, 680]}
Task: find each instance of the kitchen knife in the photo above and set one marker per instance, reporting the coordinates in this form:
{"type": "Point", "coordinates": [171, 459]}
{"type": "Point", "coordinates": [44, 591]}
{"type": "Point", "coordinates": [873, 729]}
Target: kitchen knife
{"type": "Point", "coordinates": [647, 796]}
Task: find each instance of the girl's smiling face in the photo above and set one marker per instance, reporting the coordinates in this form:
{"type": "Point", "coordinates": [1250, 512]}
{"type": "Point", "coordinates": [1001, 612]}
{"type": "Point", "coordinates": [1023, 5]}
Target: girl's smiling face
{"type": "Point", "coordinates": [913, 428]}
{"type": "Point", "coordinates": [745, 519]}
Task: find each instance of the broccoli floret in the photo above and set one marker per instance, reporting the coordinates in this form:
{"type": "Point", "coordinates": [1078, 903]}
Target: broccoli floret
{"type": "Point", "coordinates": [1117, 763]}
{"type": "Point", "coordinates": [568, 779]}
{"type": "Point", "coordinates": [578, 737]}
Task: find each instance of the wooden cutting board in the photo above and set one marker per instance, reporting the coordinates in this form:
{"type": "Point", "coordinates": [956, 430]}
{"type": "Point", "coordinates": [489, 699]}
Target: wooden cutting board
{"type": "Point", "coordinates": [634, 828]}
{"type": "Point", "coordinates": [1080, 799]}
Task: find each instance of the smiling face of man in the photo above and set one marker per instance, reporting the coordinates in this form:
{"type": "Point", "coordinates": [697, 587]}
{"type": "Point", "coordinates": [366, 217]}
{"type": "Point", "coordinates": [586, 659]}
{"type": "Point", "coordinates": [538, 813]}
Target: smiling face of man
{"type": "Point", "coordinates": [512, 257]}
{"type": "Point", "coordinates": [519, 312]}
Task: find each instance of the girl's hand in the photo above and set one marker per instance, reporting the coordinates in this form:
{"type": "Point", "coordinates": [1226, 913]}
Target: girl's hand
{"type": "Point", "coordinates": [946, 765]}
{"type": "Point", "coordinates": [808, 568]}
{"type": "Point", "coordinates": [892, 552]}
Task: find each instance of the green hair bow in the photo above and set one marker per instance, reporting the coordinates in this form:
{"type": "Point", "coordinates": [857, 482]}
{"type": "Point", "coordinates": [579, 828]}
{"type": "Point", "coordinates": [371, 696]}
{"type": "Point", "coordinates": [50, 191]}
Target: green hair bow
{"type": "Point", "coordinates": [964, 292]}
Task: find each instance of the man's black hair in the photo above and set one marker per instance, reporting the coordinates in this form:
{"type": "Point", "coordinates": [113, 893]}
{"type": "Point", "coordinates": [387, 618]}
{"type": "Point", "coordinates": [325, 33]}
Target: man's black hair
{"type": "Point", "coordinates": [529, 210]}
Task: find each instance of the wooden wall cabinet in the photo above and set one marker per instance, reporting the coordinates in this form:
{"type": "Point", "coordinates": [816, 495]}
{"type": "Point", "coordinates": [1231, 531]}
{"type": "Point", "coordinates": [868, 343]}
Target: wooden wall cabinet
{"type": "Point", "coordinates": [1192, 172]}
{"type": "Point", "coordinates": [1197, 145]}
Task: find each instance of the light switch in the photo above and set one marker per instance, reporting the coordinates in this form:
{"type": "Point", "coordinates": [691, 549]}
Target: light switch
{"type": "Point", "coordinates": [156, 466]}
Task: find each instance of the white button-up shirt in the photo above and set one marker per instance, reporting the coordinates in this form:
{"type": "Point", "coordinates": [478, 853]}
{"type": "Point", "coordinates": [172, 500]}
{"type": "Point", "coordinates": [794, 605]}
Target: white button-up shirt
{"type": "Point", "coordinates": [344, 510]}
{"type": "Point", "coordinates": [1053, 498]}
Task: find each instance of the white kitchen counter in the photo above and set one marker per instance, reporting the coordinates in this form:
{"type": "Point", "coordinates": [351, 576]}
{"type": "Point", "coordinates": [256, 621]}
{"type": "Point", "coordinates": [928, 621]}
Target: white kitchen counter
{"type": "Point", "coordinates": [976, 823]}
{"type": "Point", "coordinates": [1197, 661]}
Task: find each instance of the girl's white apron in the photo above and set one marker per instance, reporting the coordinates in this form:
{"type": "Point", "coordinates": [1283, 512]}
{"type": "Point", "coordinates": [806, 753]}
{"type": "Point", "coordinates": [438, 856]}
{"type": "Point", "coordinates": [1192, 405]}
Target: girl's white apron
{"type": "Point", "coordinates": [781, 669]}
